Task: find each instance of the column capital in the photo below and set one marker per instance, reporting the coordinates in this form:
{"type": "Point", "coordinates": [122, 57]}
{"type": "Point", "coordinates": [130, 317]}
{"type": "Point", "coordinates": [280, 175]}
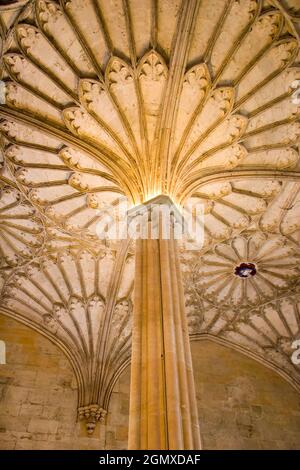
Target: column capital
{"type": "Point", "coordinates": [162, 200]}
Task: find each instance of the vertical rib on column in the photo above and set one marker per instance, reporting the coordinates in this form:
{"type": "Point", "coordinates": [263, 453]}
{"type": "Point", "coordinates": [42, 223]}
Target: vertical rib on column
{"type": "Point", "coordinates": [138, 376]}
{"type": "Point", "coordinates": [188, 360]}
{"type": "Point", "coordinates": [163, 410]}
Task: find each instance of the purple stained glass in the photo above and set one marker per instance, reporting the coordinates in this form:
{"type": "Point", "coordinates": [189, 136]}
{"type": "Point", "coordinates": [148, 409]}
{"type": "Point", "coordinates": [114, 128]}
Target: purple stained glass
{"type": "Point", "coordinates": [245, 270]}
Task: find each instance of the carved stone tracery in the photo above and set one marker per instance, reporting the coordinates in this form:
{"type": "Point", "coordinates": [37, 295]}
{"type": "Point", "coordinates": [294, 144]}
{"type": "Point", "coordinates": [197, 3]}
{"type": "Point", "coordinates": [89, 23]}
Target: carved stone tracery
{"type": "Point", "coordinates": [177, 103]}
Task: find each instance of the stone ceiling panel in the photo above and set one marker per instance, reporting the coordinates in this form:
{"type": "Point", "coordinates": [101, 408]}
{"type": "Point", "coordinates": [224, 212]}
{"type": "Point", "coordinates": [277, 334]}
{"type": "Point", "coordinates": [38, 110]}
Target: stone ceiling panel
{"type": "Point", "coordinates": [105, 101]}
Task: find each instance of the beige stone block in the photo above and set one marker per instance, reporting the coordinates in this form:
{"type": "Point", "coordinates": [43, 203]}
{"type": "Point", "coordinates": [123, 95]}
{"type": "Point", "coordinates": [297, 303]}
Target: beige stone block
{"type": "Point", "coordinates": [271, 431]}
{"type": "Point", "coordinates": [110, 438]}
{"type": "Point", "coordinates": [120, 445]}
{"type": "Point", "coordinates": [251, 444]}
{"type": "Point", "coordinates": [25, 378]}
{"type": "Point", "coordinates": [50, 412]}
{"type": "Point", "coordinates": [17, 394]}
{"type": "Point", "coordinates": [256, 411]}
{"type": "Point", "coordinates": [19, 423]}
{"type": "Point", "coordinates": [7, 445]}
{"type": "Point", "coordinates": [54, 397]}
{"type": "Point", "coordinates": [5, 376]}
{"type": "Point", "coordinates": [25, 445]}
{"type": "Point", "coordinates": [43, 425]}
{"type": "Point", "coordinates": [269, 445]}
{"type": "Point", "coordinates": [13, 410]}
{"type": "Point", "coordinates": [244, 419]}
{"type": "Point", "coordinates": [37, 397]}
{"type": "Point", "coordinates": [38, 436]}
{"type": "Point", "coordinates": [208, 441]}
{"type": "Point", "coordinates": [122, 433]}
{"type": "Point", "coordinates": [124, 409]}
{"type": "Point", "coordinates": [21, 435]}
{"type": "Point", "coordinates": [30, 410]}
{"type": "Point", "coordinates": [229, 443]}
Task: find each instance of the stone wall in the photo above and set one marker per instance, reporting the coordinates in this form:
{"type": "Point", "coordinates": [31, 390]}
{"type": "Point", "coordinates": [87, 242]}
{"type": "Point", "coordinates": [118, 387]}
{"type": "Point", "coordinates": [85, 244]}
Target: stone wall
{"type": "Point", "coordinates": [241, 403]}
{"type": "Point", "coordinates": [38, 398]}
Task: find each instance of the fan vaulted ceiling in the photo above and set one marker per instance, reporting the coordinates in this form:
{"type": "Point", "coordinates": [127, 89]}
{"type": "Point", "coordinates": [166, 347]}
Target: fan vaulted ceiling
{"type": "Point", "coordinates": [194, 99]}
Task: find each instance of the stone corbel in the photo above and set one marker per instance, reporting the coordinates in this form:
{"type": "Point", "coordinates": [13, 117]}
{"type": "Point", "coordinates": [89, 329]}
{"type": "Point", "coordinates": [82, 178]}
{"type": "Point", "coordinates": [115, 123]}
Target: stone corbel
{"type": "Point", "coordinates": [91, 414]}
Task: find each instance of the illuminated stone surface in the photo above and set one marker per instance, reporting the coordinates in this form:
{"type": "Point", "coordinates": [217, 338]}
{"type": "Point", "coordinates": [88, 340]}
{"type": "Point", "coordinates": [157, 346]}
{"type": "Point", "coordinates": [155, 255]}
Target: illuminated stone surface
{"type": "Point", "coordinates": [111, 99]}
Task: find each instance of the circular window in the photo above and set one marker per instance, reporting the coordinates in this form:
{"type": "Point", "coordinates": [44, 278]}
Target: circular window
{"type": "Point", "coordinates": [245, 270]}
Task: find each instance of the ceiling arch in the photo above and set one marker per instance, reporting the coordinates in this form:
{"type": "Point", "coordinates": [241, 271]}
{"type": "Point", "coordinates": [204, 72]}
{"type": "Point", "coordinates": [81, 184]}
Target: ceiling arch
{"type": "Point", "coordinates": [82, 300]}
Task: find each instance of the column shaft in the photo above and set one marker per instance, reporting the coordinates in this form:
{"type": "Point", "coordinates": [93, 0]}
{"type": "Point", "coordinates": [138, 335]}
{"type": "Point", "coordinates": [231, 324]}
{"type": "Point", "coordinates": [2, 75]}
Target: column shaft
{"type": "Point", "coordinates": [163, 409]}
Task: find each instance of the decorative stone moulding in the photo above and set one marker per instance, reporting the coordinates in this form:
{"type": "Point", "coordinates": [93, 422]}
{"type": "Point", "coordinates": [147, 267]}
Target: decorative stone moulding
{"type": "Point", "coordinates": [91, 414]}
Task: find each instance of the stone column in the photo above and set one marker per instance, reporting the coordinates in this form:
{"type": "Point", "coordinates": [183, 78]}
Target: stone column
{"type": "Point", "coordinates": [163, 408]}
